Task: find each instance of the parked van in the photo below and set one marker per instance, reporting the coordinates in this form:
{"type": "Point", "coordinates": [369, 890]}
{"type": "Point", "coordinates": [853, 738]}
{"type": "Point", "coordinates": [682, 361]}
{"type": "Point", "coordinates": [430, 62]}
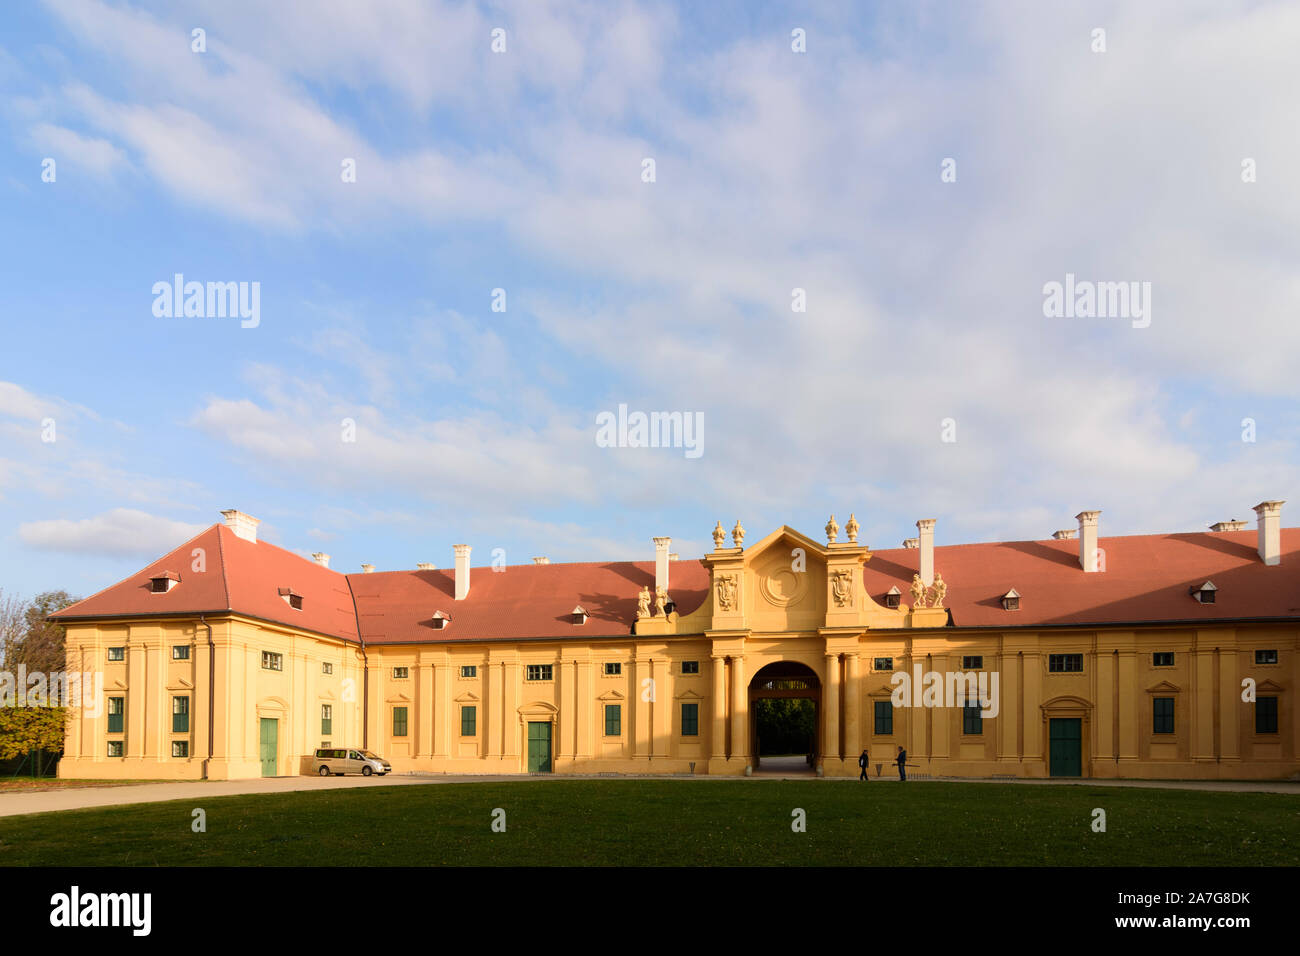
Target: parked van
{"type": "Point", "coordinates": [350, 761]}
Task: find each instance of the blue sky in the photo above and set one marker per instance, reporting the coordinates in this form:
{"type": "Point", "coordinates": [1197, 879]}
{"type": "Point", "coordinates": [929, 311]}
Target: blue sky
{"type": "Point", "coordinates": [521, 170]}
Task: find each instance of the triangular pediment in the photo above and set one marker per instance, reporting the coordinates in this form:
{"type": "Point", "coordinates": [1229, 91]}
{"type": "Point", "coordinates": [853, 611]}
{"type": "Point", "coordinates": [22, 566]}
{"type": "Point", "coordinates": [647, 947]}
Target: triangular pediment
{"type": "Point", "coordinates": [1164, 687]}
{"type": "Point", "coordinates": [1269, 686]}
{"type": "Point", "coordinates": [689, 695]}
{"type": "Point", "coordinates": [785, 535]}
{"type": "Point", "coordinates": [469, 697]}
{"type": "Point", "coordinates": [611, 695]}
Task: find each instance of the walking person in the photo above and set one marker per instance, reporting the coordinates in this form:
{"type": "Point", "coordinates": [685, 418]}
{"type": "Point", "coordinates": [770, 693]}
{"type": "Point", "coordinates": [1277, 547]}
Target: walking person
{"type": "Point", "coordinates": [901, 760]}
{"type": "Point", "coordinates": [862, 762]}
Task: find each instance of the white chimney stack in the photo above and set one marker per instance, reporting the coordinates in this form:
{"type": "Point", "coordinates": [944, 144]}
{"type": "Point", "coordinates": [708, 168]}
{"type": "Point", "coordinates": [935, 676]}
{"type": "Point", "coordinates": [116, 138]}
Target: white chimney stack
{"type": "Point", "coordinates": [1269, 517]}
{"type": "Point", "coordinates": [911, 544]}
{"type": "Point", "coordinates": [661, 563]}
{"type": "Point", "coordinates": [367, 569]}
{"type": "Point", "coordinates": [541, 559]}
{"type": "Point", "coordinates": [244, 526]}
{"type": "Point", "coordinates": [321, 558]}
{"type": "Point", "coordinates": [1088, 540]}
{"type": "Point", "coordinates": [1065, 534]}
{"type": "Point", "coordinates": [925, 529]}
{"type": "Point", "coordinates": [462, 571]}
{"type": "Point", "coordinates": [426, 566]}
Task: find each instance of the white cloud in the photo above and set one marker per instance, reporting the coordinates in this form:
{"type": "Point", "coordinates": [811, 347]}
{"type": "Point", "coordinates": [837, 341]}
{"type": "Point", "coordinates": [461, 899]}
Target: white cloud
{"type": "Point", "coordinates": [120, 532]}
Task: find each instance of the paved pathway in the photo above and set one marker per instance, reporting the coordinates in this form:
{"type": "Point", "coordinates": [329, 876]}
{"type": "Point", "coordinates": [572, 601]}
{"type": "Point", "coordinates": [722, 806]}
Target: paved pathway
{"type": "Point", "coordinates": [13, 803]}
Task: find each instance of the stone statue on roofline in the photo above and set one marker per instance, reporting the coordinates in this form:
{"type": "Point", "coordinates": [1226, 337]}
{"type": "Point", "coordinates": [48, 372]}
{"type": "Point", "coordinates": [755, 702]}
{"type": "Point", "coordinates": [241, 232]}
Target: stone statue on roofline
{"type": "Point", "coordinates": [918, 591]}
{"type": "Point", "coordinates": [643, 603]}
{"type": "Point", "coordinates": [661, 599]}
{"type": "Point", "coordinates": [938, 592]}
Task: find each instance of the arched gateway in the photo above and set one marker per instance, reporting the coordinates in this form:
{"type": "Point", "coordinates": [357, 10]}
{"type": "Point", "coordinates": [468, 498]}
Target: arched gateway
{"type": "Point", "coordinates": [777, 731]}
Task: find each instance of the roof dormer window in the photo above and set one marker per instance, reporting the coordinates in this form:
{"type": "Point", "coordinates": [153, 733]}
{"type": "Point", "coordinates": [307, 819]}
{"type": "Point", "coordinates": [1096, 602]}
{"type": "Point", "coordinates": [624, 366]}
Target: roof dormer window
{"type": "Point", "coordinates": [163, 582]}
{"type": "Point", "coordinates": [579, 614]}
{"type": "Point", "coordinates": [1011, 600]}
{"type": "Point", "coordinates": [893, 597]}
{"type": "Point", "coordinates": [291, 598]}
{"type": "Point", "coordinates": [440, 620]}
{"type": "Point", "coordinates": [1203, 592]}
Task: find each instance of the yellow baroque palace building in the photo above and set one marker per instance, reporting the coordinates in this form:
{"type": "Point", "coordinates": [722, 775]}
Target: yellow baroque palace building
{"type": "Point", "coordinates": [1147, 656]}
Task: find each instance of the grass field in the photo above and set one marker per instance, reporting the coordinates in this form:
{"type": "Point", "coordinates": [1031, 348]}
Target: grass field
{"type": "Point", "coordinates": [58, 783]}
{"type": "Point", "coordinates": [676, 823]}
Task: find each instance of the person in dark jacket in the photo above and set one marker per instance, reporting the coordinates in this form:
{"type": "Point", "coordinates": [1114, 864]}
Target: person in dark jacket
{"type": "Point", "coordinates": [862, 762]}
{"type": "Point", "coordinates": [902, 764]}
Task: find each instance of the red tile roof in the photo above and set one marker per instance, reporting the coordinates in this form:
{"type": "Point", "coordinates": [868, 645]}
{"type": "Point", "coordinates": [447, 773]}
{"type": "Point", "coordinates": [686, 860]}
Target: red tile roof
{"type": "Point", "coordinates": [519, 602]}
{"type": "Point", "coordinates": [1147, 579]}
{"type": "Point", "coordinates": [238, 575]}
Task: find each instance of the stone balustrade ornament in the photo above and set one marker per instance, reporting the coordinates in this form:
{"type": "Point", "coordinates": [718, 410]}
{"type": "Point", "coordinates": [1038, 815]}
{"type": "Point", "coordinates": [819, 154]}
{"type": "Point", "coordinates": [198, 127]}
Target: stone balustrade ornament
{"type": "Point", "coordinates": [738, 535]}
{"type": "Point", "coordinates": [832, 530]}
{"type": "Point", "coordinates": [718, 535]}
{"type": "Point", "coordinates": [851, 529]}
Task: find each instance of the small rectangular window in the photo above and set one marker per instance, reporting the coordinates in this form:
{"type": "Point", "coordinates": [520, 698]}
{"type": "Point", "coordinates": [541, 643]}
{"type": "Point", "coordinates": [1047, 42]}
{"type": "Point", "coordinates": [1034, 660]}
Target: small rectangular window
{"type": "Point", "coordinates": [970, 663]}
{"type": "Point", "coordinates": [295, 601]}
{"type": "Point", "coordinates": [1162, 659]}
{"type": "Point", "coordinates": [469, 670]}
{"type": "Point", "coordinates": [1266, 657]}
{"type": "Point", "coordinates": [399, 721]}
{"type": "Point", "coordinates": [180, 748]}
{"type": "Point", "coordinates": [117, 653]}
{"type": "Point", "coordinates": [1266, 715]}
{"type": "Point", "coordinates": [1065, 663]}
{"type": "Point", "coordinates": [539, 672]}
{"type": "Point", "coordinates": [326, 720]}
{"type": "Point", "coordinates": [401, 673]}
{"type": "Point", "coordinates": [690, 720]}
{"type": "Point", "coordinates": [613, 669]}
{"type": "Point", "coordinates": [272, 661]}
{"type": "Point", "coordinates": [690, 667]}
{"type": "Point", "coordinates": [180, 715]}
{"type": "Point", "coordinates": [1162, 715]}
{"type": "Point", "coordinates": [468, 717]}
{"type": "Point", "coordinates": [613, 720]}
{"type": "Point", "coordinates": [115, 748]}
{"type": "Point", "coordinates": [326, 667]}
{"type": "Point", "coordinates": [180, 652]}
{"type": "Point", "coordinates": [883, 664]}
{"type": "Point", "coordinates": [884, 718]}
{"type": "Point", "coordinates": [116, 714]}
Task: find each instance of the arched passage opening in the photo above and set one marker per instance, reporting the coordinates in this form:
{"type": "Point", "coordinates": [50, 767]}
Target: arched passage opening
{"type": "Point", "coordinates": [784, 709]}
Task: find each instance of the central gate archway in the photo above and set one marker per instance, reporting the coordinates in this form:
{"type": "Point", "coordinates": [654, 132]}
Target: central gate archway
{"type": "Point", "coordinates": [785, 680]}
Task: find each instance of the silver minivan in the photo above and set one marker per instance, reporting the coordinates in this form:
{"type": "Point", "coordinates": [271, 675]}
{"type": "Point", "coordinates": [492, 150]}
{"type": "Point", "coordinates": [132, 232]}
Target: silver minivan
{"type": "Point", "coordinates": [333, 761]}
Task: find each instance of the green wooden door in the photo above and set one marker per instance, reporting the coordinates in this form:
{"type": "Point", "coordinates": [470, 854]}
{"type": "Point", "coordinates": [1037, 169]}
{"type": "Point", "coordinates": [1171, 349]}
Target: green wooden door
{"type": "Point", "coordinates": [539, 747]}
{"type": "Point", "coordinates": [270, 745]}
{"type": "Point", "coordinates": [1066, 747]}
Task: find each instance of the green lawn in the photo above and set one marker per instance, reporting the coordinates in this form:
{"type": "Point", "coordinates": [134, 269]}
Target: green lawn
{"type": "Point", "coordinates": [676, 822]}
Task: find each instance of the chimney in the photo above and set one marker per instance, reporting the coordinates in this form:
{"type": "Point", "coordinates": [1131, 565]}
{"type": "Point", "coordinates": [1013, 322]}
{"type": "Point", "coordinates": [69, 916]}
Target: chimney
{"type": "Point", "coordinates": [426, 566]}
{"type": "Point", "coordinates": [244, 526]}
{"type": "Point", "coordinates": [543, 559]}
{"type": "Point", "coordinates": [1088, 540]}
{"type": "Point", "coordinates": [1269, 518]}
{"type": "Point", "coordinates": [661, 563]}
{"type": "Point", "coordinates": [1065, 534]}
{"type": "Point", "coordinates": [911, 544]}
{"type": "Point", "coordinates": [321, 558]}
{"type": "Point", "coordinates": [367, 569]}
{"type": "Point", "coordinates": [673, 556]}
{"type": "Point", "coordinates": [462, 571]}
{"type": "Point", "coordinates": [1233, 525]}
{"type": "Point", "coordinates": [926, 528]}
